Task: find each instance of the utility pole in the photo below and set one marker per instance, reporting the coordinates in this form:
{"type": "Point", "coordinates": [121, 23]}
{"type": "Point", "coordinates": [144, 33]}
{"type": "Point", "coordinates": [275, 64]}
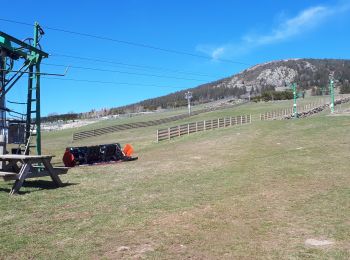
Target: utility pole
{"type": "Point", "coordinates": [2, 86]}
{"type": "Point", "coordinates": [295, 112]}
{"type": "Point", "coordinates": [34, 74]}
{"type": "Point", "coordinates": [188, 96]}
{"type": "Point", "coordinates": [331, 92]}
{"type": "Point", "coordinates": [2, 104]}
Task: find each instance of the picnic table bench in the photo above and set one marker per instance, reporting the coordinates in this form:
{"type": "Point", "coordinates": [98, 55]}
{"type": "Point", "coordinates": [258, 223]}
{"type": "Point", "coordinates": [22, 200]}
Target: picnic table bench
{"type": "Point", "coordinates": [19, 167]}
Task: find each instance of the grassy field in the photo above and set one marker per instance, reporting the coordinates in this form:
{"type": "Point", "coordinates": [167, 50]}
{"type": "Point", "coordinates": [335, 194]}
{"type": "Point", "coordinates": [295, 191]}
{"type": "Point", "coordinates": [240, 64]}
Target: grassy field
{"type": "Point", "coordinates": [256, 191]}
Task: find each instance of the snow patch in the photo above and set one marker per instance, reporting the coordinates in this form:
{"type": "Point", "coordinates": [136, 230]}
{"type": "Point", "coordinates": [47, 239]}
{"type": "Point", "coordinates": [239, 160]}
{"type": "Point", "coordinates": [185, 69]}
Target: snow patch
{"type": "Point", "coordinates": [318, 243]}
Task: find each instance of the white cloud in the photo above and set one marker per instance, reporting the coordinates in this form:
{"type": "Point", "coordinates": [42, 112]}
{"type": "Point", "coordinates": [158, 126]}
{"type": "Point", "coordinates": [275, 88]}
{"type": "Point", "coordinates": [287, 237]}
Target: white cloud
{"type": "Point", "coordinates": [216, 53]}
{"type": "Point", "coordinates": [304, 21]}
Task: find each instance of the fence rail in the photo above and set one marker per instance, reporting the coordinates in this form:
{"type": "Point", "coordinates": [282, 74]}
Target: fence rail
{"type": "Point", "coordinates": [194, 127]}
{"type": "Point", "coordinates": [287, 112]}
{"type": "Point", "coordinates": [116, 128]}
{"type": "Point", "coordinates": [282, 113]}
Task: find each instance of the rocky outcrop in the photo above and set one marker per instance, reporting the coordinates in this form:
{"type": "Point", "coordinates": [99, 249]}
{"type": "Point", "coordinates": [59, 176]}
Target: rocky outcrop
{"type": "Point", "coordinates": [307, 73]}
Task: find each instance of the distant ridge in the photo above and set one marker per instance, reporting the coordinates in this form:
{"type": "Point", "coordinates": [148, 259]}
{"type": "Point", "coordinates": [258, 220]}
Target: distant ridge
{"type": "Point", "coordinates": [307, 73]}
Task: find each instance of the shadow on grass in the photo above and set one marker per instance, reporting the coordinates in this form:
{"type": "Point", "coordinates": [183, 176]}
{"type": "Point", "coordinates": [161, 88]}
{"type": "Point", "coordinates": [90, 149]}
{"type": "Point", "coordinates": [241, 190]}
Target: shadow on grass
{"type": "Point", "coordinates": [37, 185]}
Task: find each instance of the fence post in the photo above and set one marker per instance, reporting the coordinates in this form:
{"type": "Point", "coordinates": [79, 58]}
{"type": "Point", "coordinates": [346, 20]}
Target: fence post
{"type": "Point", "coordinates": [230, 120]}
{"type": "Point", "coordinates": [218, 122]}
{"type": "Point", "coordinates": [157, 135]}
{"type": "Point", "coordinates": [168, 133]}
{"type": "Point", "coordinates": [178, 131]}
{"type": "Point", "coordinates": [205, 127]}
{"type": "Point", "coordinates": [241, 120]}
{"type": "Point", "coordinates": [188, 129]}
{"type": "Point", "coordinates": [196, 127]}
{"type": "Point", "coordinates": [250, 118]}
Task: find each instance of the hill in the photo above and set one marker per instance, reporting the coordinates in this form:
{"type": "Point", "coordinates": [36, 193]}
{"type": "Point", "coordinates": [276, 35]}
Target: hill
{"type": "Point", "coordinates": [309, 74]}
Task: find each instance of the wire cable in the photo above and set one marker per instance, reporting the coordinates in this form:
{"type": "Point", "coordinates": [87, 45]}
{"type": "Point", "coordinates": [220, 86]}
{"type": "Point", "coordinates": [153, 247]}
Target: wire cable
{"type": "Point", "coordinates": [129, 65]}
{"type": "Point", "coordinates": [136, 44]}
{"type": "Point", "coordinates": [17, 103]}
{"type": "Point", "coordinates": [110, 82]}
{"type": "Point", "coordinates": [122, 72]}
{"type": "Point", "coordinates": [14, 116]}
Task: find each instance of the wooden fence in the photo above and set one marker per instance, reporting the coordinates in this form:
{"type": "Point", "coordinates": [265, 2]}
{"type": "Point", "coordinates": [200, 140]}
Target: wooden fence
{"type": "Point", "coordinates": [270, 115]}
{"type": "Point", "coordinates": [194, 127]}
{"type": "Point", "coordinates": [121, 127]}
{"type": "Point", "coordinates": [279, 114]}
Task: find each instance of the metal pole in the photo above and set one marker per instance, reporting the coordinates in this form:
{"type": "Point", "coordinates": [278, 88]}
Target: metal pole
{"type": "Point", "coordinates": [32, 76]}
{"type": "Point", "coordinates": [189, 107]}
{"type": "Point", "coordinates": [2, 104]}
{"type": "Point", "coordinates": [331, 90]}
{"type": "Point", "coordinates": [188, 96]}
{"type": "Point", "coordinates": [38, 112]}
{"type": "Point", "coordinates": [29, 106]}
{"type": "Point", "coordinates": [295, 110]}
{"type": "Point", "coordinates": [37, 91]}
{"type": "Point", "coordinates": [2, 86]}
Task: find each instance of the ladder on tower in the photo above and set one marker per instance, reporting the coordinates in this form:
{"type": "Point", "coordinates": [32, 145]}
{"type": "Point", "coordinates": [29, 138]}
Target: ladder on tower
{"type": "Point", "coordinates": [25, 148]}
{"type": "Point", "coordinates": [31, 127]}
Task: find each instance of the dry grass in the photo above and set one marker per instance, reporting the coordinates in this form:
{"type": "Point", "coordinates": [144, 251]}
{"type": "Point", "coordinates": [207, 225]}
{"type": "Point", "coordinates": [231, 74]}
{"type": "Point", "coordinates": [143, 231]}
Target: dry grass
{"type": "Point", "coordinates": [251, 192]}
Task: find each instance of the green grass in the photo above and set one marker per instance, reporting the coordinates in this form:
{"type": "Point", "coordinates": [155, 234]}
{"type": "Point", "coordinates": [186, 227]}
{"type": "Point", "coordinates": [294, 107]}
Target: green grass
{"type": "Point", "coordinates": [56, 142]}
{"type": "Point", "coordinates": [246, 192]}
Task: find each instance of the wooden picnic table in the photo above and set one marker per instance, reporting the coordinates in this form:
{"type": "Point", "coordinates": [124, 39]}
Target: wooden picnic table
{"type": "Point", "coordinates": [19, 167]}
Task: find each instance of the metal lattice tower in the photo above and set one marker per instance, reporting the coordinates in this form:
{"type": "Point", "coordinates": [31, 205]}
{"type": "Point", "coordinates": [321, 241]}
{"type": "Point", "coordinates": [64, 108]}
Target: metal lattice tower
{"type": "Point", "coordinates": [30, 52]}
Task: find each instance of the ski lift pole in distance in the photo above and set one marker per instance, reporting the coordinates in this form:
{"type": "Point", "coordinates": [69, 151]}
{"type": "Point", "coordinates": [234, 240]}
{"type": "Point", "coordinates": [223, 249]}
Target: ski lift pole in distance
{"type": "Point", "coordinates": [331, 92]}
{"type": "Point", "coordinates": [295, 110]}
{"type": "Point", "coordinates": [188, 96]}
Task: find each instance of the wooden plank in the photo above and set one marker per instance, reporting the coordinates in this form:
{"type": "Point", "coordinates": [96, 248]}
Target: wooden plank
{"type": "Point", "coordinates": [163, 135]}
{"type": "Point", "coordinates": [19, 181]}
{"type": "Point", "coordinates": [44, 173]}
{"type": "Point", "coordinates": [4, 174]}
{"type": "Point", "coordinates": [23, 157]}
{"type": "Point", "coordinates": [163, 138]}
{"type": "Point", "coordinates": [52, 173]}
{"type": "Point", "coordinates": [8, 176]}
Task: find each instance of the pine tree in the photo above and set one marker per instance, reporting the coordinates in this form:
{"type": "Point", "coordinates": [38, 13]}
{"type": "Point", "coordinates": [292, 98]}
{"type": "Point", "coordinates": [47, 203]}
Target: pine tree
{"type": "Point", "coordinates": [345, 88]}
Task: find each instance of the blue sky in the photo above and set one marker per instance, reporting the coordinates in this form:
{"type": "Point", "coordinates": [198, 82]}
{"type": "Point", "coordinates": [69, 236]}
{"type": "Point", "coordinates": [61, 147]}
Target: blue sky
{"type": "Point", "coordinates": [247, 32]}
